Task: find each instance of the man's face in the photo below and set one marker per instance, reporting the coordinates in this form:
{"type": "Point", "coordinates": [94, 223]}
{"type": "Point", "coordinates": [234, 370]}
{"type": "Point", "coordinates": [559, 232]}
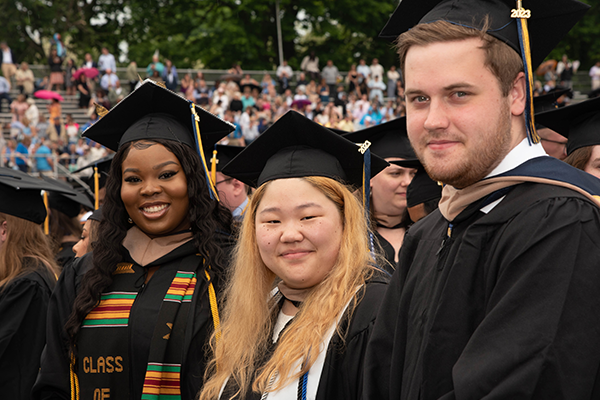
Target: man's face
{"type": "Point", "coordinates": [458, 121]}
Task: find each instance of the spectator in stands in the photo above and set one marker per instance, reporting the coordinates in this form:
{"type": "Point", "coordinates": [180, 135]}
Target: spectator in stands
{"type": "Point", "coordinates": [89, 62]}
{"type": "Point", "coordinates": [376, 69]}
{"type": "Point", "coordinates": [565, 70]}
{"type": "Point", "coordinates": [284, 75]}
{"type": "Point", "coordinates": [55, 109]}
{"type": "Point", "coordinates": [301, 80]}
{"type": "Point", "coordinates": [376, 88]}
{"type": "Point", "coordinates": [220, 95]}
{"type": "Point", "coordinates": [8, 154]}
{"type": "Point", "coordinates": [41, 127]}
{"type": "Point", "coordinates": [72, 129]}
{"type": "Point", "coordinates": [393, 76]}
{"type": "Point", "coordinates": [352, 80]}
{"type": "Point", "coordinates": [84, 91]}
{"type": "Point", "coordinates": [346, 124]}
{"type": "Point", "coordinates": [310, 65]}
{"type": "Point", "coordinates": [56, 130]}
{"type": "Point", "coordinates": [266, 83]}
{"type": "Point", "coordinates": [109, 80]}
{"type": "Point", "coordinates": [249, 125]}
{"type": "Point", "coordinates": [106, 61]}
{"type": "Point", "coordinates": [202, 93]}
{"type": "Point", "coordinates": [25, 79]}
{"type": "Point", "coordinates": [364, 70]}
{"type": "Point", "coordinates": [247, 99]}
{"type": "Point", "coordinates": [44, 161]}
{"type": "Point", "coordinates": [58, 44]}
{"type": "Point", "coordinates": [155, 65]}
{"type": "Point", "coordinates": [4, 92]}
{"type": "Point", "coordinates": [361, 107]}
{"type": "Point", "coordinates": [331, 74]}
{"type": "Point", "coordinates": [22, 154]}
{"type": "Point", "coordinates": [70, 81]}
{"type": "Point", "coordinates": [170, 77]}
{"type": "Point", "coordinates": [132, 75]}
{"type": "Point", "coordinates": [595, 75]}
{"type": "Point", "coordinates": [8, 61]}
{"type": "Point", "coordinates": [33, 112]}
{"type": "Point", "coordinates": [57, 77]}
{"type": "Point", "coordinates": [116, 94]}
{"type": "Point", "coordinates": [93, 119]}
{"type": "Point", "coordinates": [323, 91]}
{"type": "Point", "coordinates": [18, 108]}
{"type": "Point", "coordinates": [187, 87]}
{"type": "Point", "coordinates": [102, 99]}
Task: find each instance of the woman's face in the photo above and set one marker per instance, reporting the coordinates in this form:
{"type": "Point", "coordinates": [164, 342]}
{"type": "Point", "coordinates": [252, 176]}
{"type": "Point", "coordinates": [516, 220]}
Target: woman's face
{"type": "Point", "coordinates": [388, 189]}
{"type": "Point", "coordinates": [593, 164]}
{"type": "Point", "coordinates": [154, 191]}
{"type": "Point", "coordinates": [80, 248]}
{"type": "Point", "coordinates": [298, 232]}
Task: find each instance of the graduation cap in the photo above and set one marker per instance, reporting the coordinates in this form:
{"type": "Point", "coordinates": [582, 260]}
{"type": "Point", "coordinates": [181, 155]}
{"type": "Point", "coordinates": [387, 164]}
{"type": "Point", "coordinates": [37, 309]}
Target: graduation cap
{"type": "Point", "coordinates": [20, 195]}
{"type": "Point", "coordinates": [295, 146]}
{"type": "Point", "coordinates": [219, 157]}
{"type": "Point", "coordinates": [96, 215]}
{"type": "Point", "coordinates": [388, 140]}
{"type": "Point", "coordinates": [70, 204]}
{"type": "Point", "coordinates": [580, 123]}
{"type": "Point", "coordinates": [154, 112]}
{"type": "Point", "coordinates": [547, 102]}
{"type": "Point", "coordinates": [422, 189]}
{"type": "Point", "coordinates": [532, 29]}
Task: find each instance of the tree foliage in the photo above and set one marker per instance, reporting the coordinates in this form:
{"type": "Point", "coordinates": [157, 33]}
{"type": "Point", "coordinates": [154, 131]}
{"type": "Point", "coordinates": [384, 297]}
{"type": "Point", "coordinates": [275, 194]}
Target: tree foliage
{"type": "Point", "coordinates": [217, 33]}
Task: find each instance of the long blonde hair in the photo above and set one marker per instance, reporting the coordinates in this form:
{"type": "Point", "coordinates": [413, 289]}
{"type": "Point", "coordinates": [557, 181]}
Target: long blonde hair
{"type": "Point", "coordinates": [249, 311]}
{"type": "Point", "coordinates": [25, 240]}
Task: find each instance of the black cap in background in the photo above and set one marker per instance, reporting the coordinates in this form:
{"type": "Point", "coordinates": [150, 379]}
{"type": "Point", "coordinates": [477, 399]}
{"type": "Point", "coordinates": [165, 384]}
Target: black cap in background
{"type": "Point", "coordinates": [294, 147]}
{"type": "Point", "coordinates": [224, 155]}
{"type": "Point", "coordinates": [422, 189]}
{"type": "Point", "coordinates": [579, 123]}
{"type": "Point", "coordinates": [20, 195]}
{"type": "Point", "coordinates": [153, 112]}
{"type": "Point", "coordinates": [388, 140]}
{"type": "Point", "coordinates": [70, 205]}
{"type": "Point", "coordinates": [550, 20]}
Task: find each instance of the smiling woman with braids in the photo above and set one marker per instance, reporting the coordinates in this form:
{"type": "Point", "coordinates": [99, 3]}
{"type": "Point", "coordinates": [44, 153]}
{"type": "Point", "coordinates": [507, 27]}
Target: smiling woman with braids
{"type": "Point", "coordinates": [130, 319]}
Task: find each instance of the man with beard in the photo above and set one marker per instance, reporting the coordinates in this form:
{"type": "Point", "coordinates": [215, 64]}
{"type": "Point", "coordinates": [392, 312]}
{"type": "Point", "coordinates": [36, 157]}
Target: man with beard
{"type": "Point", "coordinates": [495, 295]}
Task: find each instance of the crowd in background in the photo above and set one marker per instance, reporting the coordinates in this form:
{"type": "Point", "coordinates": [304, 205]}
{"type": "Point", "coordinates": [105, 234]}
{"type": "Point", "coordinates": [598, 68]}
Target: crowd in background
{"type": "Point", "coordinates": [366, 95]}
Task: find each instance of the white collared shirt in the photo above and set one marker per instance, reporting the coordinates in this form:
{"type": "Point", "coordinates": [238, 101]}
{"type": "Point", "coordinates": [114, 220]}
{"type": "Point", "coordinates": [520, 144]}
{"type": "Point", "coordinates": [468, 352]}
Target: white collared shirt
{"type": "Point", "coordinates": [521, 153]}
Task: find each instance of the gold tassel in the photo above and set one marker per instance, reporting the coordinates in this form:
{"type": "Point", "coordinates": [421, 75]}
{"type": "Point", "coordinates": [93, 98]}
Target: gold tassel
{"type": "Point", "coordinates": [201, 149]}
{"type": "Point", "coordinates": [213, 167]}
{"type": "Point", "coordinates": [47, 220]}
{"type": "Point", "coordinates": [96, 189]}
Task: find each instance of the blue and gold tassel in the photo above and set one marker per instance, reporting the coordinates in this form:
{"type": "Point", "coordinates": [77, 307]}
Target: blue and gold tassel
{"type": "Point", "coordinates": [521, 16]}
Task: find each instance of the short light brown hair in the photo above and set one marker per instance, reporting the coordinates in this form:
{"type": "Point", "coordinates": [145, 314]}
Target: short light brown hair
{"type": "Point", "coordinates": [504, 62]}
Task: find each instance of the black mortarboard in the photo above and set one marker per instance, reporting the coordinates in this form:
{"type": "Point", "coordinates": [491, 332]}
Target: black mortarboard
{"type": "Point", "coordinates": [388, 140]}
{"type": "Point", "coordinates": [295, 146]}
{"type": "Point", "coordinates": [532, 31]}
{"type": "Point", "coordinates": [96, 215]}
{"type": "Point", "coordinates": [153, 112]}
{"type": "Point", "coordinates": [103, 165]}
{"type": "Point", "coordinates": [20, 195]}
{"type": "Point", "coordinates": [422, 189]}
{"type": "Point", "coordinates": [580, 123]}
{"type": "Point", "coordinates": [550, 20]}
{"type": "Point", "coordinates": [70, 205]}
{"type": "Point", "coordinates": [223, 156]}
{"type": "Point", "coordinates": [547, 101]}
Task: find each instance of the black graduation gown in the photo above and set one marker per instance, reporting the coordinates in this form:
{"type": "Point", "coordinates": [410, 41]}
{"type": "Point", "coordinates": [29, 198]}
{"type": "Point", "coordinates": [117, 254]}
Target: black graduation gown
{"type": "Point", "coordinates": [23, 306]}
{"type": "Point", "coordinates": [507, 308]}
{"type": "Point", "coordinates": [53, 380]}
{"type": "Point", "coordinates": [388, 252]}
{"type": "Point", "coordinates": [65, 253]}
{"type": "Point", "coordinates": [342, 373]}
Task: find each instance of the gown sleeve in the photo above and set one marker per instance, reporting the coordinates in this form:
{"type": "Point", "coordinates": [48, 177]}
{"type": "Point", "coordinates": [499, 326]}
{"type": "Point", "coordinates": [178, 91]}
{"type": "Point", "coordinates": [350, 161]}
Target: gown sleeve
{"type": "Point", "coordinates": [53, 379]}
{"type": "Point", "coordinates": [23, 305]}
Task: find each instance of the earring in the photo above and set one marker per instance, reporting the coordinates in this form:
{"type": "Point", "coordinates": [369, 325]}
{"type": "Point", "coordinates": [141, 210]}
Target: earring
{"type": "Point", "coordinates": [130, 220]}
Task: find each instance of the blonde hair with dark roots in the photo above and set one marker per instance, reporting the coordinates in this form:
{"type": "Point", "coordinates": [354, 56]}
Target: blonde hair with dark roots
{"type": "Point", "coordinates": [249, 311]}
{"type": "Point", "coordinates": [504, 62]}
{"type": "Point", "coordinates": [25, 240]}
